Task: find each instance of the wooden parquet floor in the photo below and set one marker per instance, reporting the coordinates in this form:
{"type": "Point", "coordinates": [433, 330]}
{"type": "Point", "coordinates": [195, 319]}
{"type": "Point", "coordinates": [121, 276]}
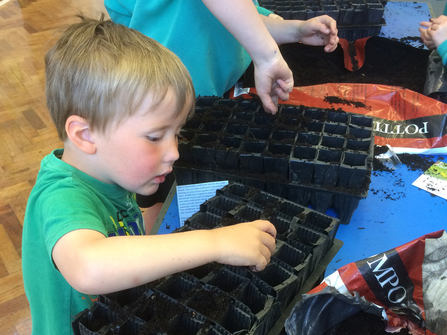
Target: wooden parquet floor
{"type": "Point", "coordinates": [28, 28]}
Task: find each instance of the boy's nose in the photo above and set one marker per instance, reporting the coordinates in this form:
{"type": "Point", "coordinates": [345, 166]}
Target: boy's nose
{"type": "Point", "coordinates": [172, 154]}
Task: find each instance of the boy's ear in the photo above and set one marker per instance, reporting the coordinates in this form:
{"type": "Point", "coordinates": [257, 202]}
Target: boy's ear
{"type": "Point", "coordinates": [78, 131]}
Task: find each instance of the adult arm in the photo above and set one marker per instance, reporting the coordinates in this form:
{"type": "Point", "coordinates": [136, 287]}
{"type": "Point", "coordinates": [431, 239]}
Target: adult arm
{"type": "Point", "coordinates": [94, 264]}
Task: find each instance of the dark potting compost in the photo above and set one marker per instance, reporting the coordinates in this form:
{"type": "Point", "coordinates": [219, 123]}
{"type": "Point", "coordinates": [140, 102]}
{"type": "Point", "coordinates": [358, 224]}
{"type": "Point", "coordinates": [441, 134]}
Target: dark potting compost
{"type": "Point", "coordinates": [387, 62]}
{"type": "Point", "coordinates": [321, 157]}
{"type": "Point", "coordinates": [221, 299]}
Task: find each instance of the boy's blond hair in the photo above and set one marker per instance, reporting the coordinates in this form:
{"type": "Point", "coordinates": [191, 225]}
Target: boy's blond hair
{"type": "Point", "coordinates": [102, 71]}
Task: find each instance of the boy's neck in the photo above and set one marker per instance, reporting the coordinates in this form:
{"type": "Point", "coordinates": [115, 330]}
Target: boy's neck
{"type": "Point", "coordinates": [75, 157]}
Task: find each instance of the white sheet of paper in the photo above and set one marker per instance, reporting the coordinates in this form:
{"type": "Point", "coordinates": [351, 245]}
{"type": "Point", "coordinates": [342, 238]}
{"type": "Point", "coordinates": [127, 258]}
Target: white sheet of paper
{"type": "Point", "coordinates": [190, 197]}
{"type": "Point", "coordinates": [434, 180]}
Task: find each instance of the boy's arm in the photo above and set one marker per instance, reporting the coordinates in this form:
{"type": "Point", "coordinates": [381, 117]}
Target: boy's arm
{"type": "Point", "coordinates": [94, 264]}
{"type": "Point", "coordinates": [273, 78]}
{"type": "Point", "coordinates": [319, 30]}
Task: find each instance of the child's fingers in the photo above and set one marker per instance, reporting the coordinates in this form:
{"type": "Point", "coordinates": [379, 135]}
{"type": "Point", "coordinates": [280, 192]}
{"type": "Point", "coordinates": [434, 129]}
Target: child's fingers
{"type": "Point", "coordinates": [268, 103]}
{"type": "Point", "coordinates": [285, 86]}
{"type": "Point", "coordinates": [260, 264]}
{"type": "Point", "coordinates": [425, 24]}
{"type": "Point", "coordinates": [331, 47]}
{"type": "Point", "coordinates": [269, 237]}
{"type": "Point", "coordinates": [271, 230]}
{"type": "Point", "coordinates": [279, 93]}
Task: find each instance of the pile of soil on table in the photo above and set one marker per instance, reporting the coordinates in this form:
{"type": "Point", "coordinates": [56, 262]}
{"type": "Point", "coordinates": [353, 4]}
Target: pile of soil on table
{"type": "Point", "coordinates": [412, 162]}
{"type": "Point", "coordinates": [387, 62]}
{"type": "Point", "coordinates": [364, 323]}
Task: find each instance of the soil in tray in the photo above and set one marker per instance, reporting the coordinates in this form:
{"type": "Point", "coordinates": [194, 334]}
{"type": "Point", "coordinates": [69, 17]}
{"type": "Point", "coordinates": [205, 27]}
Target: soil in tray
{"type": "Point", "coordinates": [209, 303]}
{"type": "Point", "coordinates": [387, 62]}
{"type": "Point", "coordinates": [364, 323]}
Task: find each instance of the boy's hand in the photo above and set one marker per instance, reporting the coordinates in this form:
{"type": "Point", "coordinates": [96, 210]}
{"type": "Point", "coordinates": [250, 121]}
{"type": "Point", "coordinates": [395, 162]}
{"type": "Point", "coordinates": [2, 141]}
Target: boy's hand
{"type": "Point", "coordinates": [319, 30]}
{"type": "Point", "coordinates": [246, 244]}
{"type": "Point", "coordinates": [435, 32]}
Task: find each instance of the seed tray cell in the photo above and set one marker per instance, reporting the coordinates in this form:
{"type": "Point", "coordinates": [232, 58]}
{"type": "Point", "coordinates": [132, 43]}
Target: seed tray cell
{"type": "Point", "coordinates": [317, 241]}
{"type": "Point", "coordinates": [261, 305]}
{"type": "Point", "coordinates": [296, 259]}
{"type": "Point", "coordinates": [177, 285]}
{"type": "Point", "coordinates": [100, 319]}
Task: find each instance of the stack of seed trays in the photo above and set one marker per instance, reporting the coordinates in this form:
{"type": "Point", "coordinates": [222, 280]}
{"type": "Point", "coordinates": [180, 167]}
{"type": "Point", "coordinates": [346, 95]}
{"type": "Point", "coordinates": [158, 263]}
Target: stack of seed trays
{"type": "Point", "coordinates": [355, 18]}
{"type": "Point", "coordinates": [345, 12]}
{"type": "Point", "coordinates": [216, 299]}
{"type": "Point", "coordinates": [311, 156]}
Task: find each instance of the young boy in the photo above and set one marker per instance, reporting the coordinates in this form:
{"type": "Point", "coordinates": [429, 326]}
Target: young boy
{"type": "Point", "coordinates": [118, 100]}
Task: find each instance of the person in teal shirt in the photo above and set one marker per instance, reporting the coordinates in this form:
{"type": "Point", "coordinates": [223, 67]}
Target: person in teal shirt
{"type": "Point", "coordinates": [434, 35]}
{"type": "Point", "coordinates": [118, 100]}
{"type": "Point", "coordinates": [217, 40]}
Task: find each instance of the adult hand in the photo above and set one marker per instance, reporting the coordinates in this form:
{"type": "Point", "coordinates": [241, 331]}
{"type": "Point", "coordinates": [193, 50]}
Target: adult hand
{"type": "Point", "coordinates": [273, 81]}
{"type": "Point", "coordinates": [319, 30]}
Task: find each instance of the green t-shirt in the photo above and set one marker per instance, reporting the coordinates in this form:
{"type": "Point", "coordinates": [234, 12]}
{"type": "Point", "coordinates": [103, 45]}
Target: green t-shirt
{"type": "Point", "coordinates": [65, 199]}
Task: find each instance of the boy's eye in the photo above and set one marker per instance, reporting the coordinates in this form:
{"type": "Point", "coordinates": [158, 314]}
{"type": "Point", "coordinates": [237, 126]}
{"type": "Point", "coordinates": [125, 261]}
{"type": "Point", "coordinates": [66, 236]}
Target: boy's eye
{"type": "Point", "coordinates": [153, 139]}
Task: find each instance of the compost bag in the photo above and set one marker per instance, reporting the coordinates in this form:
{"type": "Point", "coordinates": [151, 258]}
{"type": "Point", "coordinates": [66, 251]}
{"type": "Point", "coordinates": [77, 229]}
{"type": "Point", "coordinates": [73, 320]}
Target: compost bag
{"type": "Point", "coordinates": [406, 285]}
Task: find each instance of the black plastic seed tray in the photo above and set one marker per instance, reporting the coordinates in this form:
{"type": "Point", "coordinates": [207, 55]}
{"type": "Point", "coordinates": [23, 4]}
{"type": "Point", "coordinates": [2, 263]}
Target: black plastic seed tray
{"type": "Point", "coordinates": [157, 313]}
{"type": "Point", "coordinates": [345, 12]}
{"type": "Point", "coordinates": [308, 155]}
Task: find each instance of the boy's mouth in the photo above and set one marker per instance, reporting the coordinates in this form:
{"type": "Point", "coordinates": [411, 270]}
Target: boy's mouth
{"type": "Point", "coordinates": [161, 178]}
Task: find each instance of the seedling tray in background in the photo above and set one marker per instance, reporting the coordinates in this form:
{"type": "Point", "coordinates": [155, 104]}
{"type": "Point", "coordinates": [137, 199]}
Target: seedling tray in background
{"type": "Point", "coordinates": [355, 18]}
{"type": "Point", "coordinates": [307, 155]}
{"type": "Point", "coordinates": [222, 299]}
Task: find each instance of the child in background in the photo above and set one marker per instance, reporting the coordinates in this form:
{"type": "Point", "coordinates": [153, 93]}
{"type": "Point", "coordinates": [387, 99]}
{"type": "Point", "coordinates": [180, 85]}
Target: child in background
{"type": "Point", "coordinates": [118, 100]}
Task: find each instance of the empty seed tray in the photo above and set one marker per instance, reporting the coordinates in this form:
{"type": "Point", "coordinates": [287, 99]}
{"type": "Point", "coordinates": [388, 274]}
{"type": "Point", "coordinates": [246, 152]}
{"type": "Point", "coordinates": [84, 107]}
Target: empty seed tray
{"type": "Point", "coordinates": [307, 155]}
{"type": "Point", "coordinates": [216, 299]}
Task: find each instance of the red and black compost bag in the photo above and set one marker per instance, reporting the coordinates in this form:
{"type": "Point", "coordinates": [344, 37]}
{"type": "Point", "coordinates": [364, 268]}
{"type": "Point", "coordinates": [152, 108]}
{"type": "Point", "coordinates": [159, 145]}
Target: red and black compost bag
{"type": "Point", "coordinates": [407, 285]}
